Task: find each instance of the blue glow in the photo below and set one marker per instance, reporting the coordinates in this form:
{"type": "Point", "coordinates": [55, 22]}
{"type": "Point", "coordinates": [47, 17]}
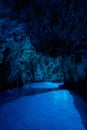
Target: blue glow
{"type": "Point", "coordinates": [49, 111]}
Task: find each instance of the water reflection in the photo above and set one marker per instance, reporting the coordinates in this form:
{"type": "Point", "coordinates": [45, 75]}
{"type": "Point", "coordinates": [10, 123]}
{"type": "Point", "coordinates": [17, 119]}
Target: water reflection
{"type": "Point", "coordinates": [49, 111]}
{"type": "Point", "coordinates": [57, 109]}
{"type": "Point", "coordinates": [64, 95]}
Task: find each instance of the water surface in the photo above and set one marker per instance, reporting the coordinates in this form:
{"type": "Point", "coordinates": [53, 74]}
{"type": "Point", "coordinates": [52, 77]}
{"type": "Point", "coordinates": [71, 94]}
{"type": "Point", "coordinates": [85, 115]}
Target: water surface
{"type": "Point", "coordinates": [53, 110]}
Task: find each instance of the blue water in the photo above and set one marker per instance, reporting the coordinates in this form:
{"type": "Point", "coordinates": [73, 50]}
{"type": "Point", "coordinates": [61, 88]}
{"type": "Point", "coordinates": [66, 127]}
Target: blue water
{"type": "Point", "coordinates": [45, 85]}
{"type": "Point", "coordinates": [48, 111]}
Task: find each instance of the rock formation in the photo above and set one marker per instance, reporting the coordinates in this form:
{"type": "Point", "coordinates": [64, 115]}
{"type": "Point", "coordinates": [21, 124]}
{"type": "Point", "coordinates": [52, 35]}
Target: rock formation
{"type": "Point", "coordinates": [20, 63]}
{"type": "Point", "coordinates": [74, 67]}
{"type": "Point", "coordinates": [44, 32]}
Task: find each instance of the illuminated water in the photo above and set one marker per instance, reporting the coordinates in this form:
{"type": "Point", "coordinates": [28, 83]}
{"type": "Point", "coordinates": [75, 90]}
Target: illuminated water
{"type": "Point", "coordinates": [48, 111]}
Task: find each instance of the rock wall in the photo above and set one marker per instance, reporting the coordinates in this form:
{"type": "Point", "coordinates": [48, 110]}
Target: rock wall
{"type": "Point", "coordinates": [55, 28]}
{"type": "Point", "coordinates": [20, 63]}
{"type": "Point", "coordinates": [74, 68]}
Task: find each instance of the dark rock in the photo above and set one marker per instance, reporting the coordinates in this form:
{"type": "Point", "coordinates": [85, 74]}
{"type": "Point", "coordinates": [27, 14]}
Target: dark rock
{"type": "Point", "coordinates": [38, 31]}
{"type": "Point", "coordinates": [75, 71]}
{"type": "Point", "coordinates": [20, 63]}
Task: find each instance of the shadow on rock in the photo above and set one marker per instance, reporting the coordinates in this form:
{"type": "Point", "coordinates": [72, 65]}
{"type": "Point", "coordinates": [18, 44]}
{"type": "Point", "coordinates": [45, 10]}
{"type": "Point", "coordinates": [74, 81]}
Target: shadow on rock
{"type": "Point", "coordinates": [80, 102]}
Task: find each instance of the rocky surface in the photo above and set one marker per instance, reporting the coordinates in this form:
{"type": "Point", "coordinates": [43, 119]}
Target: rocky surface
{"type": "Point", "coordinates": [20, 63]}
{"type": "Point", "coordinates": [37, 31]}
{"type": "Point", "coordinates": [51, 24]}
{"type": "Point", "coordinates": [74, 68]}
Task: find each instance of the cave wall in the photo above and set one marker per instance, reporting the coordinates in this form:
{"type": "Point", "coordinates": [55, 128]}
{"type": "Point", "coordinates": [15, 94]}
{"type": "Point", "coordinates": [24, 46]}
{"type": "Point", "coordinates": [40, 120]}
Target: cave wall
{"type": "Point", "coordinates": [20, 63]}
{"type": "Point", "coordinates": [54, 23]}
{"type": "Point", "coordinates": [45, 29]}
{"type": "Point", "coordinates": [74, 68]}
